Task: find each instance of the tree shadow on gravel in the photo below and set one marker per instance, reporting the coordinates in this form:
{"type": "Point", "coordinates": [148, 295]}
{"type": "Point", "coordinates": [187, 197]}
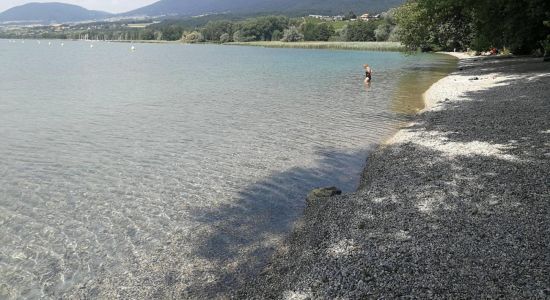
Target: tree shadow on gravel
{"type": "Point", "coordinates": [502, 65]}
{"type": "Point", "coordinates": [466, 215]}
{"type": "Point", "coordinates": [503, 115]}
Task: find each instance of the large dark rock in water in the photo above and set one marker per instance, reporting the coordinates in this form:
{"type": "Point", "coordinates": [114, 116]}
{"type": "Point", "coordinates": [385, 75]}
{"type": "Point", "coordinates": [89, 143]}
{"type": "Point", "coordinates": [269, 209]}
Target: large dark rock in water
{"type": "Point", "coordinates": [321, 193]}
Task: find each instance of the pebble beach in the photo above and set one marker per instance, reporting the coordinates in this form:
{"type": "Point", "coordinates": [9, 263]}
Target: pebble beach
{"type": "Point", "coordinates": [454, 205]}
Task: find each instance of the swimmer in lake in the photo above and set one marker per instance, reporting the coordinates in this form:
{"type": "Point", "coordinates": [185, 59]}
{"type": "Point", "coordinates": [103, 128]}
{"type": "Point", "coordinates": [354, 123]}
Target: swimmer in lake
{"type": "Point", "coordinates": [368, 73]}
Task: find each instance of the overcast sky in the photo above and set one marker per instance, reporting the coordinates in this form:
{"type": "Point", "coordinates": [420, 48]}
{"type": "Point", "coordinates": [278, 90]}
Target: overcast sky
{"type": "Point", "coordinates": [105, 5]}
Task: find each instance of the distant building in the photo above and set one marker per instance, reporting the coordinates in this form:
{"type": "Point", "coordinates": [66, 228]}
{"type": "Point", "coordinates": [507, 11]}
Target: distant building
{"type": "Point", "coordinates": [327, 18]}
{"type": "Point", "coordinates": [57, 27]}
{"type": "Point", "coordinates": [367, 17]}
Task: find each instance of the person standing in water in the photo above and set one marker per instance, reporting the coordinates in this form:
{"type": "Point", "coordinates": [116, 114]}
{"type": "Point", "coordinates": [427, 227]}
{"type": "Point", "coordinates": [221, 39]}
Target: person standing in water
{"type": "Point", "coordinates": [368, 73]}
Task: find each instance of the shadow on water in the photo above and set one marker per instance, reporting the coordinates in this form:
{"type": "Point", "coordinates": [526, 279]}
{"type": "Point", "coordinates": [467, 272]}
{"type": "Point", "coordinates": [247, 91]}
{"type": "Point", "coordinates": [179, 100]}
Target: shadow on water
{"type": "Point", "coordinates": [231, 242]}
{"type": "Point", "coordinates": [248, 230]}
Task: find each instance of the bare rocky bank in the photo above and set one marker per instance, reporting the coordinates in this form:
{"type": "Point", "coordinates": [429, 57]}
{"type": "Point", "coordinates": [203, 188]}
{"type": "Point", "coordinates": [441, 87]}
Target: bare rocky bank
{"type": "Point", "coordinates": [456, 205]}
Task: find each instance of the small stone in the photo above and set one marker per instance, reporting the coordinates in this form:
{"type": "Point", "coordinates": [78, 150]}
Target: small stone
{"type": "Point", "coordinates": [322, 193]}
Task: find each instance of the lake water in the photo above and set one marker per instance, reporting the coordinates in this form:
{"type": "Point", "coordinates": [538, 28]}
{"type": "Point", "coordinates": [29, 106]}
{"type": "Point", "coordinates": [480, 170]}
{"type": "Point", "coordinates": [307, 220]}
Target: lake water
{"type": "Point", "coordinates": [173, 170]}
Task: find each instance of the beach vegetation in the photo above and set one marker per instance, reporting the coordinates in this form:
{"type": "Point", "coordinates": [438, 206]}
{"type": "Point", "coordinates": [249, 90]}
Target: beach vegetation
{"type": "Point", "coordinates": [172, 33]}
{"type": "Point", "coordinates": [292, 35]}
{"type": "Point", "coordinates": [479, 25]}
{"type": "Point", "coordinates": [225, 38]}
{"type": "Point", "coordinates": [316, 31]}
{"type": "Point", "coordinates": [361, 31]}
{"type": "Point", "coordinates": [363, 46]}
{"type": "Point", "coordinates": [382, 32]}
{"type": "Point", "coordinates": [239, 36]}
{"type": "Point", "coordinates": [213, 30]}
{"type": "Point", "coordinates": [546, 42]}
{"type": "Point", "coordinates": [193, 37]}
{"type": "Point", "coordinates": [277, 35]}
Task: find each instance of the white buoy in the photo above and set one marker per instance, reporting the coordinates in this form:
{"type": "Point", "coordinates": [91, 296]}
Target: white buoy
{"type": "Point", "coordinates": [49, 43]}
{"type": "Point", "coordinates": [62, 44]}
{"type": "Point", "coordinates": [133, 48]}
{"type": "Point", "coordinates": [38, 42]}
{"type": "Point", "coordinates": [91, 45]}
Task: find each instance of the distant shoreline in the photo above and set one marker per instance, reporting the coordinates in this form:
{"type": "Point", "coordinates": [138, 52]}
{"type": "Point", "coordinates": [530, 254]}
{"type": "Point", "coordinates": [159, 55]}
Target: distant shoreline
{"type": "Point", "coordinates": [358, 46]}
{"type": "Point", "coordinates": [146, 42]}
{"type": "Point", "coordinates": [364, 46]}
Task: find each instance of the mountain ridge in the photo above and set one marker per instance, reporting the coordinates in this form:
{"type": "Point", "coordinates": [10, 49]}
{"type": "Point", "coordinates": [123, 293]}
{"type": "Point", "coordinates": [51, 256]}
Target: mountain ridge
{"type": "Point", "coordinates": [50, 12]}
{"type": "Point", "coordinates": [57, 12]}
{"type": "Point", "coordinates": [198, 7]}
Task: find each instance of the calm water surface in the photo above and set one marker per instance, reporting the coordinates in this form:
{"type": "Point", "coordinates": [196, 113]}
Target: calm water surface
{"type": "Point", "coordinates": [173, 170]}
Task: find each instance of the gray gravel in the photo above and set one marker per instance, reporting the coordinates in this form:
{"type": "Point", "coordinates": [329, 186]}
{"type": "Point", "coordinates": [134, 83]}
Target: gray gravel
{"type": "Point", "coordinates": [454, 206]}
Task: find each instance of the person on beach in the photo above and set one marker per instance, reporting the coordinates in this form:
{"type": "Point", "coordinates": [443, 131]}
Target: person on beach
{"type": "Point", "coordinates": [368, 73]}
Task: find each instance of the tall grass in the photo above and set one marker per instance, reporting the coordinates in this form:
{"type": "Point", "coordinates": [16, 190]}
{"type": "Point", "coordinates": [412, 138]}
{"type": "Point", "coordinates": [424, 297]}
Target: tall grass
{"type": "Point", "coordinates": [368, 46]}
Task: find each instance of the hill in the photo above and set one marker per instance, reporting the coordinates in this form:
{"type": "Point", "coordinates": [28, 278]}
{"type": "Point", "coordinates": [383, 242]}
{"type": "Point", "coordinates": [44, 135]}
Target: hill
{"type": "Point", "coordinates": [50, 13]}
{"type": "Point", "coordinates": [199, 7]}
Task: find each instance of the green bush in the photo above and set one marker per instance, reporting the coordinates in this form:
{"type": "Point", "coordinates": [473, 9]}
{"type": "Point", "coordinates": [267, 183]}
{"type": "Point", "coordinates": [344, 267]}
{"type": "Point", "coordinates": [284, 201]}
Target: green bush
{"type": "Point", "coordinates": [277, 35]}
{"type": "Point", "coordinates": [193, 37]}
{"type": "Point", "coordinates": [225, 38]}
{"type": "Point", "coordinates": [292, 35]}
{"type": "Point", "coordinates": [462, 24]}
{"type": "Point", "coordinates": [361, 31]}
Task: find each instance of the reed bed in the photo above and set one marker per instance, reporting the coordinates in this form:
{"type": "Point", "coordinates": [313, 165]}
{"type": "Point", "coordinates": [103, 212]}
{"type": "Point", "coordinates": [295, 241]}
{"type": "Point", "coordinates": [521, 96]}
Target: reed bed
{"type": "Point", "coordinates": [365, 46]}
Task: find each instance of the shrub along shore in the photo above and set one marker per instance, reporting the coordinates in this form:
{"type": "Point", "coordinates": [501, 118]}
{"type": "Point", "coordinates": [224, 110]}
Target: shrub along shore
{"type": "Point", "coordinates": [455, 205]}
{"type": "Point", "coordinates": [361, 46]}
{"type": "Point", "coordinates": [365, 46]}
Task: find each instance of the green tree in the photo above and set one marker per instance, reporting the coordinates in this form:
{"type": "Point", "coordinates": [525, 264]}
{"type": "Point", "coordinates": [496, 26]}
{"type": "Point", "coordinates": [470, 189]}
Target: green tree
{"type": "Point", "coordinates": [171, 33]}
{"type": "Point", "coordinates": [324, 31]}
{"type": "Point", "coordinates": [292, 35]}
{"type": "Point", "coordinates": [361, 31]}
{"type": "Point", "coordinates": [225, 38]}
{"type": "Point", "coordinates": [412, 20]}
{"type": "Point", "coordinates": [215, 29]}
{"type": "Point", "coordinates": [147, 35]}
{"type": "Point", "coordinates": [461, 24]}
{"type": "Point", "coordinates": [546, 43]}
{"type": "Point", "coordinates": [309, 30]}
{"type": "Point", "coordinates": [382, 32]}
{"type": "Point", "coordinates": [277, 35]}
{"type": "Point", "coordinates": [516, 24]}
{"type": "Point", "coordinates": [193, 37]}
{"type": "Point", "coordinates": [238, 36]}
{"type": "Point", "coordinates": [262, 28]}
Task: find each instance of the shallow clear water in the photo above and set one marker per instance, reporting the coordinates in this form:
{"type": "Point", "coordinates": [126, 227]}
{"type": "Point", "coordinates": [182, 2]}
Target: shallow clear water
{"type": "Point", "coordinates": [171, 170]}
